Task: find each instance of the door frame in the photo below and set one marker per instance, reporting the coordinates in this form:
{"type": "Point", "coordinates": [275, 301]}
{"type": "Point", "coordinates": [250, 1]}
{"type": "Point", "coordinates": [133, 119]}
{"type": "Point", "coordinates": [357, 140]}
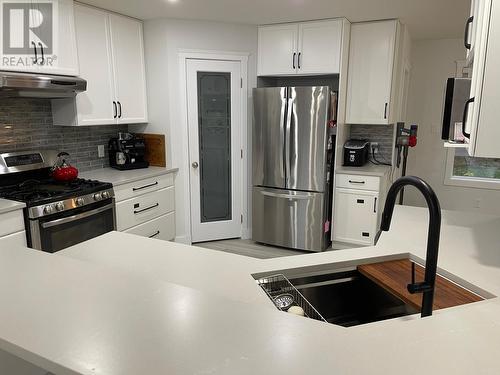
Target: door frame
{"type": "Point", "coordinates": [242, 58]}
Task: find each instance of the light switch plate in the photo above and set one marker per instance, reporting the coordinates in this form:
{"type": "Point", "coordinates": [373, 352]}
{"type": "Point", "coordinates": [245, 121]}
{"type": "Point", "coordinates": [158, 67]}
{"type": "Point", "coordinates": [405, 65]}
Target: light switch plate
{"type": "Point", "coordinates": [100, 151]}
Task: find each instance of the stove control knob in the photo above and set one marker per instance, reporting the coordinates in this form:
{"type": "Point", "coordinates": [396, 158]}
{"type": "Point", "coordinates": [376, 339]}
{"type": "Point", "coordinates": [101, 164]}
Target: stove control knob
{"type": "Point", "coordinates": [47, 210]}
{"type": "Point", "coordinates": [97, 196]}
{"type": "Point", "coordinates": [79, 202]}
{"type": "Point", "coordinates": [60, 206]}
{"type": "Point", "coordinates": [105, 195]}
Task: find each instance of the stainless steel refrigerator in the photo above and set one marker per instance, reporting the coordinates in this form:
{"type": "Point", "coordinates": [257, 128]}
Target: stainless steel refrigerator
{"type": "Point", "coordinates": [293, 151]}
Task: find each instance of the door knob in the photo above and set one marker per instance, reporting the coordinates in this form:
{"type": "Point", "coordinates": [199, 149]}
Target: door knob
{"type": "Point", "coordinates": [195, 165]}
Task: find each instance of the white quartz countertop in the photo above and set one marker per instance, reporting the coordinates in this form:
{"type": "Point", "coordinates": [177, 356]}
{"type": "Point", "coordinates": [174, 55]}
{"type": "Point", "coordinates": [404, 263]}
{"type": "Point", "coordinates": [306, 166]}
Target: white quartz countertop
{"type": "Point", "coordinates": [366, 170]}
{"type": "Point", "coordinates": [8, 206]}
{"type": "Point", "coordinates": [117, 177]}
{"type": "Point", "coordinates": [121, 304]}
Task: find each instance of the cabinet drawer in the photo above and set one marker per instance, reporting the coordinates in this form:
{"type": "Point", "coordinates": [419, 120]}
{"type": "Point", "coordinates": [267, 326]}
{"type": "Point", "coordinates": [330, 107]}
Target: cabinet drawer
{"type": "Point", "coordinates": [16, 239]}
{"type": "Point", "coordinates": [162, 228]}
{"type": "Point", "coordinates": [147, 185]}
{"type": "Point", "coordinates": [146, 207]}
{"type": "Point", "coordinates": [11, 222]}
{"type": "Point", "coordinates": [349, 181]}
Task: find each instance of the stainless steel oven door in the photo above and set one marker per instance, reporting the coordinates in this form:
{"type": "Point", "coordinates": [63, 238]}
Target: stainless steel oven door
{"type": "Point", "coordinates": [57, 232]}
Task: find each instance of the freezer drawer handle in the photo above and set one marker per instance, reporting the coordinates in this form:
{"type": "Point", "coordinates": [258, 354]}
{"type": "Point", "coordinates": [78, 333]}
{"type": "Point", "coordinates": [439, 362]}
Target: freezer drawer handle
{"type": "Point", "coordinates": [357, 182]}
{"type": "Point", "coordinates": [145, 187]}
{"type": "Point", "coordinates": [154, 234]}
{"type": "Point", "coordinates": [287, 196]}
{"type": "Point", "coordinates": [146, 209]}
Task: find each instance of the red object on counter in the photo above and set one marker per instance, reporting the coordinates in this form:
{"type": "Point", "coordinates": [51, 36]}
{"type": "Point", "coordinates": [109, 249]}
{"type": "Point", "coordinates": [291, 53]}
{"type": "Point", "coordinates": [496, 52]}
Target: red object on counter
{"type": "Point", "coordinates": [62, 171]}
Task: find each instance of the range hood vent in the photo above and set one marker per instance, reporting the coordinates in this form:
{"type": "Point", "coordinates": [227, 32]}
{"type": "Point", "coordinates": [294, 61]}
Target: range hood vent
{"type": "Point", "coordinates": [33, 85]}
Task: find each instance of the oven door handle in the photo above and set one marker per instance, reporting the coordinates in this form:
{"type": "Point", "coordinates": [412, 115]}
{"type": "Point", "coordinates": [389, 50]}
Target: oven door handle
{"type": "Point", "coordinates": [83, 215]}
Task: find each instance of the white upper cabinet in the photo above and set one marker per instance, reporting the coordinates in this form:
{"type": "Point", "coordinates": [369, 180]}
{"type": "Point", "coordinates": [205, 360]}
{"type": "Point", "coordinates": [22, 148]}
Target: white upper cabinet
{"type": "Point", "coordinates": [301, 48]}
{"type": "Point", "coordinates": [114, 70]}
{"type": "Point", "coordinates": [40, 39]}
{"type": "Point", "coordinates": [277, 51]}
{"type": "Point", "coordinates": [129, 69]}
{"type": "Point", "coordinates": [319, 47]}
{"type": "Point", "coordinates": [371, 87]}
{"type": "Point", "coordinates": [95, 106]}
{"type": "Point", "coordinates": [481, 111]}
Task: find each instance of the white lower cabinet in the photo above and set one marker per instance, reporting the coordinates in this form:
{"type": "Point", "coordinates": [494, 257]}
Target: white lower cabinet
{"type": "Point", "coordinates": [355, 216]}
{"type": "Point", "coordinates": [357, 205]}
{"type": "Point", "coordinates": [147, 208]}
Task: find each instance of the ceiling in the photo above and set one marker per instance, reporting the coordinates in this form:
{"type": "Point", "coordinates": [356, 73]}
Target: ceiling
{"type": "Point", "coordinates": [427, 19]}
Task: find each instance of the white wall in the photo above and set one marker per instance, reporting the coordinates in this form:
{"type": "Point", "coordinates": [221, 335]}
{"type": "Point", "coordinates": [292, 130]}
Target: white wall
{"type": "Point", "coordinates": [433, 61]}
{"type": "Point", "coordinates": [164, 38]}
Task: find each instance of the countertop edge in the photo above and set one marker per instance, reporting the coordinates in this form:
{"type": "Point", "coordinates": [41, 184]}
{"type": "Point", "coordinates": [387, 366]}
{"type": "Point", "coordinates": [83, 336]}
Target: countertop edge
{"type": "Point", "coordinates": [154, 172]}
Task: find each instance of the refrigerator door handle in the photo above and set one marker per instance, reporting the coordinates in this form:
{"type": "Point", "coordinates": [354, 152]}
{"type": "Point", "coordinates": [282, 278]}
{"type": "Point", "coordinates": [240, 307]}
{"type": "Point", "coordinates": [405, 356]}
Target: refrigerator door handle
{"type": "Point", "coordinates": [288, 196]}
{"type": "Point", "coordinates": [288, 132]}
{"type": "Point", "coordinates": [283, 130]}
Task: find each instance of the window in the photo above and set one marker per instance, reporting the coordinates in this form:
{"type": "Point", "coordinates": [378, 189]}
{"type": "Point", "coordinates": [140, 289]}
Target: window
{"type": "Point", "coordinates": [466, 171]}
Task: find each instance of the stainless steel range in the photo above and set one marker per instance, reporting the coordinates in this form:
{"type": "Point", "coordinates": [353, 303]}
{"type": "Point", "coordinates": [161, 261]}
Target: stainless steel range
{"type": "Point", "coordinates": [58, 214]}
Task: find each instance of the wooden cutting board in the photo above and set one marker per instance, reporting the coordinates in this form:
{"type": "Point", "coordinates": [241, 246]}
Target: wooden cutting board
{"type": "Point", "coordinates": [155, 149]}
{"type": "Point", "coordinates": [394, 276]}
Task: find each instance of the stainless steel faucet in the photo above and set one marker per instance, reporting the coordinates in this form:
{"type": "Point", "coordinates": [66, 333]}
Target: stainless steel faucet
{"type": "Point", "coordinates": [428, 285]}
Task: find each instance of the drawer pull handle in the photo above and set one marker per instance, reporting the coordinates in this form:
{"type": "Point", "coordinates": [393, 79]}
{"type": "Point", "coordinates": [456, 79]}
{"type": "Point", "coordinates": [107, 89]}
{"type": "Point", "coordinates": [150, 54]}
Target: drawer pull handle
{"type": "Point", "coordinates": [154, 234]}
{"type": "Point", "coordinates": [145, 187]}
{"type": "Point", "coordinates": [361, 201]}
{"type": "Point", "coordinates": [146, 209]}
{"type": "Point", "coordinates": [357, 182]}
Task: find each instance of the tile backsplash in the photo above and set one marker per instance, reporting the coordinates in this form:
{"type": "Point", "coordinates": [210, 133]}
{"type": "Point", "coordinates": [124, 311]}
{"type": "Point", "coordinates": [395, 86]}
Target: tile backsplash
{"type": "Point", "coordinates": [383, 134]}
{"type": "Point", "coordinates": [26, 124]}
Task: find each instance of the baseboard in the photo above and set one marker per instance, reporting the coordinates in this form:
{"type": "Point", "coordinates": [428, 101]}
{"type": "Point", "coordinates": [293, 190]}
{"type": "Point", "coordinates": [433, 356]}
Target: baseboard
{"type": "Point", "coordinates": [183, 239]}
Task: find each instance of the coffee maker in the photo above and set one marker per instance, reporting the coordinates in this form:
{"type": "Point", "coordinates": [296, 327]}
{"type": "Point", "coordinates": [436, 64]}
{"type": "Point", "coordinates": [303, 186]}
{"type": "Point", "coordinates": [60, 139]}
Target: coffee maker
{"type": "Point", "coordinates": [127, 152]}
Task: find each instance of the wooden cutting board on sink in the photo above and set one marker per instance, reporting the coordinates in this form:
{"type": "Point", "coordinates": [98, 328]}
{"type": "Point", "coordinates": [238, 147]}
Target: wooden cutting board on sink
{"type": "Point", "coordinates": [394, 276]}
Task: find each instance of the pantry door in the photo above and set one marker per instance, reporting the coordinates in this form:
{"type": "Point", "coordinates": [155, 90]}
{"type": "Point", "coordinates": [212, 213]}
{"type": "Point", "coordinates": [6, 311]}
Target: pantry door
{"type": "Point", "coordinates": [214, 97]}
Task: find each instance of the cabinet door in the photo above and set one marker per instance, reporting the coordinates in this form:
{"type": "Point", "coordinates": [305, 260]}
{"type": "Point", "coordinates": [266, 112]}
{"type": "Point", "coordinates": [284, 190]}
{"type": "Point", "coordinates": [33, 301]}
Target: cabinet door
{"type": "Point", "coordinates": [371, 63]}
{"type": "Point", "coordinates": [320, 46]}
{"type": "Point", "coordinates": [485, 130]}
{"type": "Point", "coordinates": [129, 71]}
{"type": "Point", "coordinates": [19, 49]}
{"type": "Point", "coordinates": [355, 219]}
{"type": "Point", "coordinates": [95, 106]}
{"type": "Point", "coordinates": [62, 58]}
{"type": "Point", "coordinates": [277, 51]}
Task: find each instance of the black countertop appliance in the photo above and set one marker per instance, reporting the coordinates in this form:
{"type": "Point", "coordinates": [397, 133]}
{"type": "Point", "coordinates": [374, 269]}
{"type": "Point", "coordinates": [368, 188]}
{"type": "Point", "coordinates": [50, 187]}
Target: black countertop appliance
{"type": "Point", "coordinates": [127, 152]}
{"type": "Point", "coordinates": [356, 152]}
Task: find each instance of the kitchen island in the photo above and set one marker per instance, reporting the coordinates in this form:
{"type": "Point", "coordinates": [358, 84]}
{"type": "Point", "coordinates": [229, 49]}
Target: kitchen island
{"type": "Point", "coordinates": [121, 304]}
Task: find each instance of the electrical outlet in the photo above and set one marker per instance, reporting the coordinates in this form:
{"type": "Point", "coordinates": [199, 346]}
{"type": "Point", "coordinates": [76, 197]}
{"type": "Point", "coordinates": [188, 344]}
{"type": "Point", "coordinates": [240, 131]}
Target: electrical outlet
{"type": "Point", "coordinates": [100, 151]}
{"type": "Point", "coordinates": [374, 147]}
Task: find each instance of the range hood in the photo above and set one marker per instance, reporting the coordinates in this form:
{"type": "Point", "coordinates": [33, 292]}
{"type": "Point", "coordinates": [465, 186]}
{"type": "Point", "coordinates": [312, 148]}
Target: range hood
{"type": "Point", "coordinates": [33, 85]}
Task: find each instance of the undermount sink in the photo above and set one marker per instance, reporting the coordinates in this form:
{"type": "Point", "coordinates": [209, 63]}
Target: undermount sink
{"type": "Point", "coordinates": [355, 295]}
{"type": "Point", "coordinates": [349, 299]}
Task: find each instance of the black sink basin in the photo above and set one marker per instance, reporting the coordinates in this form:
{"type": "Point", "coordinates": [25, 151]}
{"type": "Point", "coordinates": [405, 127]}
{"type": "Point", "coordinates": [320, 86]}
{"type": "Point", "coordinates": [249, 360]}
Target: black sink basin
{"type": "Point", "coordinates": [349, 299]}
